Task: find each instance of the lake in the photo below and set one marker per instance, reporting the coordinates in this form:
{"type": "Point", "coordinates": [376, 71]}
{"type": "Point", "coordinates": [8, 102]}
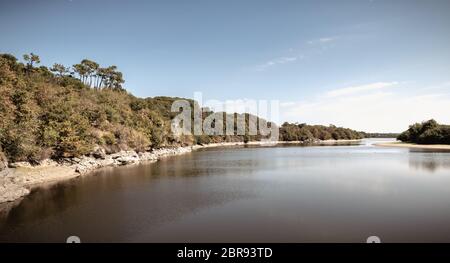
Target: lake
{"type": "Point", "coordinates": [248, 194]}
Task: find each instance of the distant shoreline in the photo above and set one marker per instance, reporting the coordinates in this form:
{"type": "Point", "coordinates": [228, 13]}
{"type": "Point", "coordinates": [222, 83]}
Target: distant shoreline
{"type": "Point", "coordinates": [413, 145]}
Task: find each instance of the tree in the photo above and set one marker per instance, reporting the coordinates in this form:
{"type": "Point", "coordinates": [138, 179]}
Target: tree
{"type": "Point", "coordinates": [92, 75]}
{"type": "Point", "coordinates": [428, 125]}
{"type": "Point", "coordinates": [427, 132]}
{"type": "Point", "coordinates": [59, 69]}
{"type": "Point", "coordinates": [114, 79]}
{"type": "Point", "coordinates": [81, 70]}
{"type": "Point", "coordinates": [91, 68]}
{"type": "Point", "coordinates": [117, 81]}
{"type": "Point", "coordinates": [31, 59]}
{"type": "Point", "coordinates": [305, 132]}
{"type": "Point", "coordinates": [106, 76]}
{"type": "Point", "coordinates": [102, 73]}
{"type": "Point", "coordinates": [10, 59]}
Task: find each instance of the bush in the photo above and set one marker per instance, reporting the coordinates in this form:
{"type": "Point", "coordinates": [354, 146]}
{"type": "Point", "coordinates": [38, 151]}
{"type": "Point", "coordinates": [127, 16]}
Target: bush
{"type": "Point", "coordinates": [109, 139]}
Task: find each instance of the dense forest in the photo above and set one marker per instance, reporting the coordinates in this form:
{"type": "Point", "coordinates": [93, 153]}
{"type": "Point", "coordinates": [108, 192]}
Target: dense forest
{"type": "Point", "coordinates": [428, 132]}
{"type": "Point", "coordinates": [71, 111]}
{"type": "Point", "coordinates": [304, 132]}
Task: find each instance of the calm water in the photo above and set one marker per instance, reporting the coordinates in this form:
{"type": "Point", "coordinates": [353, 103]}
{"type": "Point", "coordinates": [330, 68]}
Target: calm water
{"type": "Point", "coordinates": [257, 194]}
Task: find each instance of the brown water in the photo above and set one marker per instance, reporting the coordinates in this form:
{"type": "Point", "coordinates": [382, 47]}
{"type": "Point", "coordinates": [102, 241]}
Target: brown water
{"type": "Point", "coordinates": [256, 194]}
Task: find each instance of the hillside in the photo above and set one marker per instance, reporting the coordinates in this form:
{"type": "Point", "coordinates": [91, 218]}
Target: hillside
{"type": "Point", "coordinates": [72, 111]}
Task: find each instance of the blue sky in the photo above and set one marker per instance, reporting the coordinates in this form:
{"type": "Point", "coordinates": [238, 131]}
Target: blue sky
{"type": "Point", "coordinates": [369, 65]}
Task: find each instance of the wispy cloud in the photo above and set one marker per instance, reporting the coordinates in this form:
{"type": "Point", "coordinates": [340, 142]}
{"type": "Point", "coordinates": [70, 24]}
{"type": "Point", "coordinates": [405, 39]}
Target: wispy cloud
{"type": "Point", "coordinates": [277, 61]}
{"type": "Point", "coordinates": [305, 52]}
{"type": "Point", "coordinates": [322, 40]}
{"type": "Point", "coordinates": [370, 109]}
{"type": "Point", "coordinates": [359, 89]}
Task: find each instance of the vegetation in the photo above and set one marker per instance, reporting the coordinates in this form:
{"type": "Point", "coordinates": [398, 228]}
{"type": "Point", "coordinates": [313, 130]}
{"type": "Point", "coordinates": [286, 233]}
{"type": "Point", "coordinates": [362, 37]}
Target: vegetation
{"type": "Point", "coordinates": [72, 111]}
{"type": "Point", "coordinates": [304, 132]}
{"type": "Point", "coordinates": [428, 132]}
{"type": "Point", "coordinates": [380, 135]}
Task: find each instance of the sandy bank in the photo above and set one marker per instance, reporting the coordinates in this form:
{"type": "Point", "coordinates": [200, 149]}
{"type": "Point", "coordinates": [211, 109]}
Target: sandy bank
{"type": "Point", "coordinates": [413, 145]}
{"type": "Point", "coordinates": [19, 178]}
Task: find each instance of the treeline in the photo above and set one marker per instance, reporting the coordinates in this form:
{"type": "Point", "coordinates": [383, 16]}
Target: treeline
{"type": "Point", "coordinates": [304, 132]}
{"type": "Point", "coordinates": [87, 71]}
{"type": "Point", "coordinates": [379, 135]}
{"type": "Point", "coordinates": [428, 132]}
{"type": "Point", "coordinates": [65, 112]}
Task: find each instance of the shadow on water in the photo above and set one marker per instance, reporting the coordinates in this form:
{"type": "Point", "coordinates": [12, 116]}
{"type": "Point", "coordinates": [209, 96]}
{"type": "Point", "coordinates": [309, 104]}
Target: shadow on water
{"type": "Point", "coordinates": [429, 160]}
{"type": "Point", "coordinates": [46, 200]}
{"type": "Point", "coordinates": [146, 195]}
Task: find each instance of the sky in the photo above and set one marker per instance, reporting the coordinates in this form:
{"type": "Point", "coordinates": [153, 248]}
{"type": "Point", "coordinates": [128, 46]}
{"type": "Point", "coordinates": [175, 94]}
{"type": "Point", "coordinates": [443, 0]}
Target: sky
{"type": "Point", "coordinates": [370, 65]}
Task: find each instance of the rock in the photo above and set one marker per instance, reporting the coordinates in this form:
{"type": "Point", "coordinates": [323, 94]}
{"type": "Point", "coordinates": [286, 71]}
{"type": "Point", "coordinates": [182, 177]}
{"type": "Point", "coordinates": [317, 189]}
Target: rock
{"type": "Point", "coordinates": [126, 157]}
{"type": "Point", "coordinates": [4, 172]}
{"type": "Point", "coordinates": [20, 164]}
{"type": "Point", "coordinates": [86, 164]}
{"type": "Point", "coordinates": [47, 162]}
{"type": "Point", "coordinates": [99, 153]}
{"type": "Point", "coordinates": [147, 156]}
{"type": "Point", "coordinates": [81, 169]}
{"type": "Point", "coordinates": [3, 162]}
{"type": "Point", "coordinates": [10, 191]}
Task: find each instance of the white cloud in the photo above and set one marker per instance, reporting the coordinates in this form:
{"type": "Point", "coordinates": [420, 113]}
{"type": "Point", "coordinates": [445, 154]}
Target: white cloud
{"type": "Point", "coordinates": [326, 39]}
{"type": "Point", "coordinates": [322, 40]}
{"type": "Point", "coordinates": [370, 109]}
{"type": "Point", "coordinates": [278, 61]}
{"type": "Point", "coordinates": [361, 88]}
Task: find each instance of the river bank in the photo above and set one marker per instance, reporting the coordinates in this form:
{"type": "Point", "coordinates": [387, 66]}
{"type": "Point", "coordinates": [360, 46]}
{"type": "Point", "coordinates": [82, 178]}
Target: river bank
{"type": "Point", "coordinates": [17, 179]}
{"type": "Point", "coordinates": [414, 146]}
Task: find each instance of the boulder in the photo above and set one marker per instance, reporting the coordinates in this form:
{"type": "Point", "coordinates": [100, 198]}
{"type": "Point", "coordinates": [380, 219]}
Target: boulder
{"type": "Point", "coordinates": [147, 156]}
{"type": "Point", "coordinates": [86, 164]}
{"type": "Point", "coordinates": [125, 158]}
{"type": "Point", "coordinates": [20, 165]}
{"type": "Point", "coordinates": [3, 162]}
{"type": "Point", "coordinates": [99, 153]}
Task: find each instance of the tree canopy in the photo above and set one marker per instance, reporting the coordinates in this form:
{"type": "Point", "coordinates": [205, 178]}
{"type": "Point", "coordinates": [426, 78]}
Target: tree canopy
{"type": "Point", "coordinates": [304, 132]}
{"type": "Point", "coordinates": [427, 132]}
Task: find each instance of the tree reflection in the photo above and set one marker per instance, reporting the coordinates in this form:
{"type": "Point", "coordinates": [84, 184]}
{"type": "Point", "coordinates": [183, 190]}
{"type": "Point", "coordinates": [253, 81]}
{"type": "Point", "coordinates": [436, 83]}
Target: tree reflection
{"type": "Point", "coordinates": [429, 161]}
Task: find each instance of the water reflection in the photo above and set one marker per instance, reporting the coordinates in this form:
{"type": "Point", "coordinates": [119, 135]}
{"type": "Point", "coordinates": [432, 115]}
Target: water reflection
{"type": "Point", "coordinates": [430, 161]}
{"type": "Point", "coordinates": [248, 194]}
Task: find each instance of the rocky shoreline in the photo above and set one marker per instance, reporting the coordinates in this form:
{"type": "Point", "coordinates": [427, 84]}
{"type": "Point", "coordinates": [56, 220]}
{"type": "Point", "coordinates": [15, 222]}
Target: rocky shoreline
{"type": "Point", "coordinates": [17, 179]}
